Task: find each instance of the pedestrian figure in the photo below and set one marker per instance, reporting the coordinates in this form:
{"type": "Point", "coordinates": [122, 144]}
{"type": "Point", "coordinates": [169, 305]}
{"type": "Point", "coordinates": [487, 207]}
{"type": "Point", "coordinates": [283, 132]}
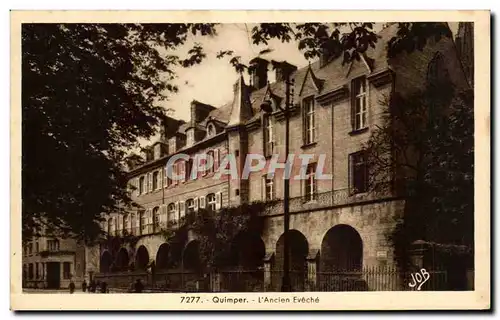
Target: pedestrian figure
{"type": "Point", "coordinates": [103, 287]}
{"type": "Point", "coordinates": [92, 286]}
{"type": "Point", "coordinates": [84, 285]}
{"type": "Point", "coordinates": [138, 286]}
{"type": "Point", "coordinates": [71, 287]}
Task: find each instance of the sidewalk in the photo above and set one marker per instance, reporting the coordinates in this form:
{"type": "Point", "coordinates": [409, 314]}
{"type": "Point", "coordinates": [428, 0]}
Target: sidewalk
{"type": "Point", "coordinates": [50, 291]}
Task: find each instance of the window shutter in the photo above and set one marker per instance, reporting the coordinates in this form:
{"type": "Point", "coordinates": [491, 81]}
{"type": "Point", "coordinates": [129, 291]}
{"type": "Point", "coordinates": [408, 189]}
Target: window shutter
{"type": "Point", "coordinates": [202, 202]}
{"type": "Point", "coordinates": [165, 177]}
{"type": "Point", "coordinates": [138, 220]}
{"type": "Point", "coordinates": [216, 159]}
{"type": "Point", "coordinates": [145, 184]}
{"type": "Point", "coordinates": [150, 181]}
{"type": "Point", "coordinates": [175, 169]}
{"type": "Point", "coordinates": [182, 170]}
{"type": "Point", "coordinates": [136, 185]}
{"type": "Point", "coordinates": [177, 211]}
{"type": "Point", "coordinates": [350, 173]}
{"type": "Point", "coordinates": [218, 200]}
{"type": "Point", "coordinates": [160, 179]}
{"type": "Point", "coordinates": [353, 104]}
{"type": "Point", "coordinates": [195, 204]}
{"type": "Point", "coordinates": [182, 209]}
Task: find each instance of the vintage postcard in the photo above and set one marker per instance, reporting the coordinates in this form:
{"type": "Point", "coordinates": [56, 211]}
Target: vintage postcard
{"type": "Point", "coordinates": [250, 160]}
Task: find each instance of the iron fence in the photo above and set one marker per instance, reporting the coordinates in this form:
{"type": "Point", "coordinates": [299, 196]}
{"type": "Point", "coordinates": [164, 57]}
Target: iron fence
{"type": "Point", "coordinates": [326, 199]}
{"type": "Point", "coordinates": [366, 279]}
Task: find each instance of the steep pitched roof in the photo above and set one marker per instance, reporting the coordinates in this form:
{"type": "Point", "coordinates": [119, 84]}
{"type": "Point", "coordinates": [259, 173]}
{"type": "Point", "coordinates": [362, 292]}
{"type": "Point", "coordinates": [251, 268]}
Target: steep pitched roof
{"type": "Point", "coordinates": [241, 110]}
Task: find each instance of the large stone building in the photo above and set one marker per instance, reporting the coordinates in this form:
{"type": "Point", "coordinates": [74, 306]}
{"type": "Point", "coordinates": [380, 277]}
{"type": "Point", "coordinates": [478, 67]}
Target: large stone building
{"type": "Point", "coordinates": [334, 223]}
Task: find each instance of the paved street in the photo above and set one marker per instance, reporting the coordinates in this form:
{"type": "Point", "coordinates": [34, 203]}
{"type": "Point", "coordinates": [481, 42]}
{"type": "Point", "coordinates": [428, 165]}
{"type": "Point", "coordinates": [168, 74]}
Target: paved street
{"type": "Point", "coordinates": [42, 291]}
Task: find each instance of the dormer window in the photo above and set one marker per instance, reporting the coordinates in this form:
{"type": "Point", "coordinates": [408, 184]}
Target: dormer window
{"type": "Point", "coordinates": [210, 130]}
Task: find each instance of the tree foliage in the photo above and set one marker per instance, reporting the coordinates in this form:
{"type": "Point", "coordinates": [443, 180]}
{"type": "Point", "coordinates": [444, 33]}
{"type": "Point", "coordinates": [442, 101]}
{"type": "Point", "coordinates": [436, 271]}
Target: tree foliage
{"type": "Point", "coordinates": [216, 232]}
{"type": "Point", "coordinates": [88, 92]}
{"type": "Point", "coordinates": [424, 151]}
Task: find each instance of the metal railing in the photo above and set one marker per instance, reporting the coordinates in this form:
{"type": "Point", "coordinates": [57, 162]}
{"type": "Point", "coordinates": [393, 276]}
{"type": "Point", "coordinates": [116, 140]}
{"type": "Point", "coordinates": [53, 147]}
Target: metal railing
{"type": "Point", "coordinates": [325, 199]}
{"type": "Point", "coordinates": [366, 279]}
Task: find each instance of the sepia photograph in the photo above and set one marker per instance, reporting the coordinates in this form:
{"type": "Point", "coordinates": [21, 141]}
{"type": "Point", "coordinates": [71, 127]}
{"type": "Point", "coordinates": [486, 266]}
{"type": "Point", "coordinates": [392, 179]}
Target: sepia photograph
{"type": "Point", "coordinates": [239, 162]}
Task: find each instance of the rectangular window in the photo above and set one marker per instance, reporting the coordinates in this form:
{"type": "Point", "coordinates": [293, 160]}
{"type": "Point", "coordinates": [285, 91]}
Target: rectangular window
{"type": "Point", "coordinates": [67, 270]}
{"type": "Point", "coordinates": [268, 188]}
{"type": "Point", "coordinates": [359, 103]}
{"type": "Point", "coordinates": [190, 205]}
{"type": "Point", "coordinates": [125, 222]}
{"type": "Point", "coordinates": [167, 180]}
{"type": "Point", "coordinates": [156, 185]}
{"type": "Point", "coordinates": [268, 136]}
{"type": "Point", "coordinates": [37, 247]}
{"type": "Point", "coordinates": [358, 172]}
{"type": "Point", "coordinates": [211, 202]}
{"type": "Point", "coordinates": [52, 245]}
{"type": "Point", "coordinates": [309, 121]}
{"type": "Point", "coordinates": [189, 169]}
{"type": "Point", "coordinates": [310, 183]}
{"type": "Point", "coordinates": [37, 274]}
{"type": "Point", "coordinates": [142, 185]}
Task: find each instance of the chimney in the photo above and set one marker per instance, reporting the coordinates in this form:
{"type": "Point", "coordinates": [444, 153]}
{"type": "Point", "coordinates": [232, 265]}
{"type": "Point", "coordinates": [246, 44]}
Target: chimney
{"type": "Point", "coordinates": [258, 72]}
{"type": "Point", "coordinates": [199, 111]}
{"type": "Point", "coordinates": [283, 70]}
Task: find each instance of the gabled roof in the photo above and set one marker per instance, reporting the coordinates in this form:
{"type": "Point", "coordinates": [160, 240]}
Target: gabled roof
{"type": "Point", "coordinates": [241, 109]}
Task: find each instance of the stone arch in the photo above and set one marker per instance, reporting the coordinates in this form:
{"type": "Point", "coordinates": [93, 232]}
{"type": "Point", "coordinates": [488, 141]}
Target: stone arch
{"type": "Point", "coordinates": [105, 262]}
{"type": "Point", "coordinates": [141, 258]}
{"type": "Point", "coordinates": [298, 250]}
{"type": "Point", "coordinates": [122, 260]}
{"type": "Point", "coordinates": [341, 249]}
{"type": "Point", "coordinates": [247, 251]}
{"type": "Point", "coordinates": [191, 256]}
{"type": "Point", "coordinates": [162, 256]}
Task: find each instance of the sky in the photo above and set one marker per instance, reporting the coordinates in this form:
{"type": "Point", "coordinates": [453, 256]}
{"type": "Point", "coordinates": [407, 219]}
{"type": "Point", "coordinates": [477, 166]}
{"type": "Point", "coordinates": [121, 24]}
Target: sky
{"type": "Point", "coordinates": [212, 81]}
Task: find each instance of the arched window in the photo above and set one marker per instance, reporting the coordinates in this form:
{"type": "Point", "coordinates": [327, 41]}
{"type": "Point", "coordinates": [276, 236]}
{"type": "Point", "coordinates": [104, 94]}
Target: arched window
{"type": "Point", "coordinates": [171, 213]}
{"type": "Point", "coordinates": [156, 219]}
{"type": "Point", "coordinates": [211, 201]}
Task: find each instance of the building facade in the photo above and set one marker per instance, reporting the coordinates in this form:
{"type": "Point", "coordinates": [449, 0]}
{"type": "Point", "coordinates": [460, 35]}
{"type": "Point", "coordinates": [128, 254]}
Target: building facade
{"type": "Point", "coordinates": [335, 224]}
{"type": "Point", "coordinates": [51, 263]}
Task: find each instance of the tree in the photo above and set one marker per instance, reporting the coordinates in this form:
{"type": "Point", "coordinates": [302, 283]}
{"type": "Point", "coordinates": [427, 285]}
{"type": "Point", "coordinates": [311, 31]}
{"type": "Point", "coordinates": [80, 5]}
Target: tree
{"type": "Point", "coordinates": [424, 151]}
{"type": "Point", "coordinates": [89, 91]}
